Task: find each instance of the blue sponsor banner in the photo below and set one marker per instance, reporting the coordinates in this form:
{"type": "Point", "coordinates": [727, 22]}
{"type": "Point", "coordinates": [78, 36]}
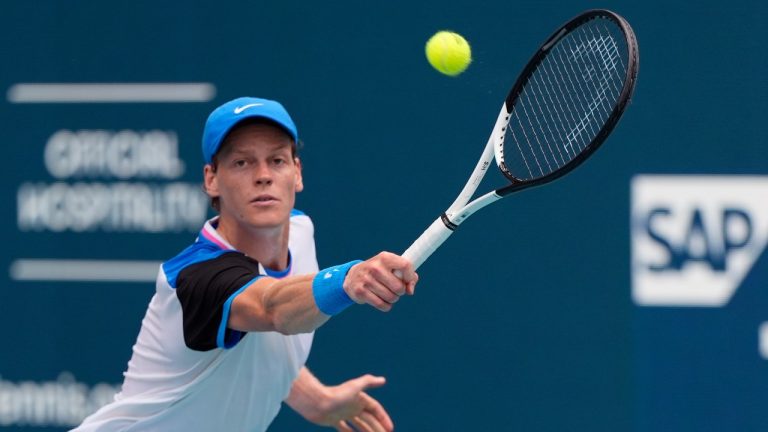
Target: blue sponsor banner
{"type": "Point", "coordinates": [699, 273]}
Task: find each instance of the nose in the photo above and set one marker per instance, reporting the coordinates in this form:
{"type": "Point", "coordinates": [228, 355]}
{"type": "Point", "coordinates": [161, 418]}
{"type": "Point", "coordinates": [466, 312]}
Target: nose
{"type": "Point", "coordinates": [262, 175]}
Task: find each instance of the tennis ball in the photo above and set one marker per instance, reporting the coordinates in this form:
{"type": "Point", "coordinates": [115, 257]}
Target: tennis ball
{"type": "Point", "coordinates": [448, 52]}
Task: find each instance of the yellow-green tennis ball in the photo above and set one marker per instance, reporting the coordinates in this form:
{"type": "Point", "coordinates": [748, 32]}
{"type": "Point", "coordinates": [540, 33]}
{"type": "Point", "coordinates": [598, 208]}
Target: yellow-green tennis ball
{"type": "Point", "coordinates": [448, 52]}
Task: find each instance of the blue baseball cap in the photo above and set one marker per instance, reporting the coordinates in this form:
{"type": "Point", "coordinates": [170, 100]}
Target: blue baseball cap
{"type": "Point", "coordinates": [225, 117]}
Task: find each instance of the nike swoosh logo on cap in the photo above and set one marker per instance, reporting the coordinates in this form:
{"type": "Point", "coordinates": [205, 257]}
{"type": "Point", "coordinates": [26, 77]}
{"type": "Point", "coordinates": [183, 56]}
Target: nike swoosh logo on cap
{"type": "Point", "coordinates": [240, 109]}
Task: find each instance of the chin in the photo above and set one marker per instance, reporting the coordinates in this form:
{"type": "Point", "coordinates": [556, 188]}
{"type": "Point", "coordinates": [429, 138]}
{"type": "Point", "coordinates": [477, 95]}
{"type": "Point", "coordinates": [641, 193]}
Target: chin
{"type": "Point", "coordinates": [268, 219]}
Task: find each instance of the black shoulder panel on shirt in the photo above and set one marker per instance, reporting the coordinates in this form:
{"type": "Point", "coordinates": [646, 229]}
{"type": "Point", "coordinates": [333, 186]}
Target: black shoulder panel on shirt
{"type": "Point", "coordinates": [203, 289]}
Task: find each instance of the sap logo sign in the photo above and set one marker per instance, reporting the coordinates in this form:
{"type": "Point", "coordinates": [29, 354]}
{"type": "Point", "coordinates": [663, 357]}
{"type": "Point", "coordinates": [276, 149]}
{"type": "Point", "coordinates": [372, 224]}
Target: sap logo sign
{"type": "Point", "coordinates": [695, 238]}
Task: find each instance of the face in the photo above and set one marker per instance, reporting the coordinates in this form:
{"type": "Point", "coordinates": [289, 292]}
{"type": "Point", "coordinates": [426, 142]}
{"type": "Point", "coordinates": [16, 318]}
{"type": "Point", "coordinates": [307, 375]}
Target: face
{"type": "Point", "coordinates": [256, 178]}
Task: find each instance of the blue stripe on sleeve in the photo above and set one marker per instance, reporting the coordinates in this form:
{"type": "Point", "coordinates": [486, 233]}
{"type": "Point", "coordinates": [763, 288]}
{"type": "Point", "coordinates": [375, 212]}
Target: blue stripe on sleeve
{"type": "Point", "coordinates": [222, 339]}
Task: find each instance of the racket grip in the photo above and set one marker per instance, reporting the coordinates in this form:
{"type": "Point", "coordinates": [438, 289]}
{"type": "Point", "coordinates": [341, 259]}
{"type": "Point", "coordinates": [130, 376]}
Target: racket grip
{"type": "Point", "coordinates": [426, 244]}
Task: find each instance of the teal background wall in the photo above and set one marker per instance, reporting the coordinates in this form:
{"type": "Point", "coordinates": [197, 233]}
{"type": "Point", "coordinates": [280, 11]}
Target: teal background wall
{"type": "Point", "coordinates": [532, 327]}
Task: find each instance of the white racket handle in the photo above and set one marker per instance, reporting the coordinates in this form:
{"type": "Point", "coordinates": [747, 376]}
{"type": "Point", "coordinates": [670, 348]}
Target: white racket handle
{"type": "Point", "coordinates": [426, 244]}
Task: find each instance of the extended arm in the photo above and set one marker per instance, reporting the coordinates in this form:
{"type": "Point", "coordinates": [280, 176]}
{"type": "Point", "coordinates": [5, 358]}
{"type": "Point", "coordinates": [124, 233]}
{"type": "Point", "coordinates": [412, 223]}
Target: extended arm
{"type": "Point", "coordinates": [290, 305]}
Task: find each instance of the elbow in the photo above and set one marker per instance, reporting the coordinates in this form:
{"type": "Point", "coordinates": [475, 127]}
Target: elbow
{"type": "Point", "coordinates": [260, 309]}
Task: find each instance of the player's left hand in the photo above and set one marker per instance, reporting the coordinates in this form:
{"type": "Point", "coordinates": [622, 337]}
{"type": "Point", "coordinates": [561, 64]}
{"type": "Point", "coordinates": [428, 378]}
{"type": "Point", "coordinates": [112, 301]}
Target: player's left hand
{"type": "Point", "coordinates": [348, 406]}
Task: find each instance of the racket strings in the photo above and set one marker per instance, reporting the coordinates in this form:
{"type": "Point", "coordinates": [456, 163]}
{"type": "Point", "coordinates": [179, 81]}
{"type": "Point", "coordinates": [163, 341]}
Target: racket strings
{"type": "Point", "coordinates": [567, 99]}
{"type": "Point", "coordinates": [596, 45]}
{"type": "Point", "coordinates": [545, 84]}
{"type": "Point", "coordinates": [525, 101]}
{"type": "Point", "coordinates": [586, 119]}
{"type": "Point", "coordinates": [623, 67]}
{"type": "Point", "coordinates": [609, 53]}
{"type": "Point", "coordinates": [565, 102]}
{"type": "Point", "coordinates": [568, 104]}
{"type": "Point", "coordinates": [581, 63]}
{"type": "Point", "coordinates": [548, 119]}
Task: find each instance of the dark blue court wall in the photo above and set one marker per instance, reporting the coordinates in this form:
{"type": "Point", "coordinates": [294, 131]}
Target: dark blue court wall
{"type": "Point", "coordinates": [554, 310]}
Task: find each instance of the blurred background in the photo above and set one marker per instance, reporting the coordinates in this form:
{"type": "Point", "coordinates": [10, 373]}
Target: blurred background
{"type": "Point", "coordinates": [630, 296]}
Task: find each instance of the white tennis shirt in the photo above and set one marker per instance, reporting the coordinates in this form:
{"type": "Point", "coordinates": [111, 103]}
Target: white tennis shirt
{"type": "Point", "coordinates": [188, 372]}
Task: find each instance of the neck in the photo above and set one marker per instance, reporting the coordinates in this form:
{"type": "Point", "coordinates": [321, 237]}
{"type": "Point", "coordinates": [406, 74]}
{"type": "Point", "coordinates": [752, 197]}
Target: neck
{"type": "Point", "coordinates": [268, 246]}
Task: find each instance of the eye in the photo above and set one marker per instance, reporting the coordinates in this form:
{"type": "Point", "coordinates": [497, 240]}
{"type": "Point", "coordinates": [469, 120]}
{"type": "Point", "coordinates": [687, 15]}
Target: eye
{"type": "Point", "coordinates": [279, 161]}
{"type": "Point", "coordinates": [239, 163]}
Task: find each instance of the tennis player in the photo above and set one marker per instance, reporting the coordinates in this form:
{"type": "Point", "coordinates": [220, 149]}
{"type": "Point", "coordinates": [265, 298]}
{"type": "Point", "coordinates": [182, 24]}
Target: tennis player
{"type": "Point", "coordinates": [227, 333]}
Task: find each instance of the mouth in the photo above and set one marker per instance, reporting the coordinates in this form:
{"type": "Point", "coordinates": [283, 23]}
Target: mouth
{"type": "Point", "coordinates": [264, 200]}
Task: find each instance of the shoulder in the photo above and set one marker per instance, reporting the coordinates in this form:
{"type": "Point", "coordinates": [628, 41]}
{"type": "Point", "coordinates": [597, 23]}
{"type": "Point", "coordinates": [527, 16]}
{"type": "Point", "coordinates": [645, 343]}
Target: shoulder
{"type": "Point", "coordinates": [297, 212]}
{"type": "Point", "coordinates": [302, 228]}
{"type": "Point", "coordinates": [302, 222]}
{"type": "Point", "coordinates": [300, 217]}
{"type": "Point", "coordinates": [203, 258]}
{"type": "Point", "coordinates": [206, 290]}
{"type": "Point", "coordinates": [230, 269]}
{"type": "Point", "coordinates": [302, 244]}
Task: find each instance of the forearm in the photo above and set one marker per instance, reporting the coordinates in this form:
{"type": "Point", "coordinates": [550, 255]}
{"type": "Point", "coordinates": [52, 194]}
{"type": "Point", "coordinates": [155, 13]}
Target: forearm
{"type": "Point", "coordinates": [341, 405]}
{"type": "Point", "coordinates": [292, 305]}
{"type": "Point", "coordinates": [283, 305]}
{"type": "Point", "coordinates": [308, 396]}
{"type": "Point", "coordinates": [300, 304]}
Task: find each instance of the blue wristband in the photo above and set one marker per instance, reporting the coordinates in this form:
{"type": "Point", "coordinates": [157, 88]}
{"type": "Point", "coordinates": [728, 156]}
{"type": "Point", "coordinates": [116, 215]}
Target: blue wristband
{"type": "Point", "coordinates": [328, 289]}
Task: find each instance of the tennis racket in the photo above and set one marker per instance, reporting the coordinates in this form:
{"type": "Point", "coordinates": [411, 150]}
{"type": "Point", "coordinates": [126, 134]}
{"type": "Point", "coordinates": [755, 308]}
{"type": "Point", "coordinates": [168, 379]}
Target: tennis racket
{"type": "Point", "coordinates": [561, 109]}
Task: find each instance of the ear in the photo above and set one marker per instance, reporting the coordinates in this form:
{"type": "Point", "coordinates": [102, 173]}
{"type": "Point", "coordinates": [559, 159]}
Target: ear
{"type": "Point", "coordinates": [211, 182]}
{"type": "Point", "coordinates": [299, 179]}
